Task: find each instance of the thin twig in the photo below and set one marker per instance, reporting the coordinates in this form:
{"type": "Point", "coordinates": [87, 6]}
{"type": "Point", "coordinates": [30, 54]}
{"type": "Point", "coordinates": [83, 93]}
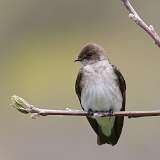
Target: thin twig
{"type": "Point", "coordinates": [23, 106]}
{"type": "Point", "coordinates": [139, 21]}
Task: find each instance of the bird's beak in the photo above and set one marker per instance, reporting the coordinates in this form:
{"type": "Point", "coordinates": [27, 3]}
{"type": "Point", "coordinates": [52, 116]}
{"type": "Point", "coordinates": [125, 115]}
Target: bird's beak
{"type": "Point", "coordinates": [77, 60]}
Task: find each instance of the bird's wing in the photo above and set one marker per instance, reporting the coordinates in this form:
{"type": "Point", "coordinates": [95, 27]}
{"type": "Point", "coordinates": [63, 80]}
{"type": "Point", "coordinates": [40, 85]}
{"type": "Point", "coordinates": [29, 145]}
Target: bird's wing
{"type": "Point", "coordinates": [118, 125]}
{"type": "Point", "coordinates": [78, 85]}
{"type": "Point", "coordinates": [122, 85]}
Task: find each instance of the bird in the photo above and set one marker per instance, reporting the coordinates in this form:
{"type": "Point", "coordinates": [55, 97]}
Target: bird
{"type": "Point", "coordinates": [100, 87]}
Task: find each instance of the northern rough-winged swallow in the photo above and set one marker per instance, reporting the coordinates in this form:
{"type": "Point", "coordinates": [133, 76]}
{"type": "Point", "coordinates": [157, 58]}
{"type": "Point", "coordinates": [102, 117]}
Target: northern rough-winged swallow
{"type": "Point", "coordinates": [101, 87]}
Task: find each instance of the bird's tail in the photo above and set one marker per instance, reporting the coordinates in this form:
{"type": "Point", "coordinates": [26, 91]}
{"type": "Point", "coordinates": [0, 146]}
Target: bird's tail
{"type": "Point", "coordinates": [115, 133]}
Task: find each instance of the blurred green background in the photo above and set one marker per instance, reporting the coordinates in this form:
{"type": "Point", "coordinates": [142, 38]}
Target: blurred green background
{"type": "Point", "coordinates": [39, 41]}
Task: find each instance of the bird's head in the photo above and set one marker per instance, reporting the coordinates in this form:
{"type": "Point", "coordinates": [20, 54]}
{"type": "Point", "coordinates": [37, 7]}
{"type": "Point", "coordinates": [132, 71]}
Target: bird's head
{"type": "Point", "coordinates": [91, 53]}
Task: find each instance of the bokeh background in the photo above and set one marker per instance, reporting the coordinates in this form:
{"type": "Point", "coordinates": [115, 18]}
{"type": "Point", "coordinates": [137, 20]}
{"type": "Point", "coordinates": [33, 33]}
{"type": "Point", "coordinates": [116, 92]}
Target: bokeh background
{"type": "Point", "coordinates": [39, 41]}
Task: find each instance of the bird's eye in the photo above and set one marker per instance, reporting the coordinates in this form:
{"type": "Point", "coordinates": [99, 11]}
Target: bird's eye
{"type": "Point", "coordinates": [89, 54]}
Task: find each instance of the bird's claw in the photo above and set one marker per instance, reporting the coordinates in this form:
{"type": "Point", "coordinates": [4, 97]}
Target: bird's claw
{"type": "Point", "coordinates": [90, 113]}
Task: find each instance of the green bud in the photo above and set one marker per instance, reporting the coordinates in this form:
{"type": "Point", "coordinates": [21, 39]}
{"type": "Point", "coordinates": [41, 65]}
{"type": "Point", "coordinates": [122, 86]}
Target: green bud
{"type": "Point", "coordinates": [20, 104]}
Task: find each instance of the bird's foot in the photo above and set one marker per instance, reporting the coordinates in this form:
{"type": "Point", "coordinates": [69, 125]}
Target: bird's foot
{"type": "Point", "coordinates": [90, 113]}
{"type": "Point", "coordinates": [100, 113]}
{"type": "Point", "coordinates": [110, 113]}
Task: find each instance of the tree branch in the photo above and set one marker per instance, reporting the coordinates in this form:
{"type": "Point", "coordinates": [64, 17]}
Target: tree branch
{"type": "Point", "coordinates": [24, 107]}
{"type": "Point", "coordinates": [139, 21]}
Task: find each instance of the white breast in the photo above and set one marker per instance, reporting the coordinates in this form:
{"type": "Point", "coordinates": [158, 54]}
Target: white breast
{"type": "Point", "coordinates": [100, 92]}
